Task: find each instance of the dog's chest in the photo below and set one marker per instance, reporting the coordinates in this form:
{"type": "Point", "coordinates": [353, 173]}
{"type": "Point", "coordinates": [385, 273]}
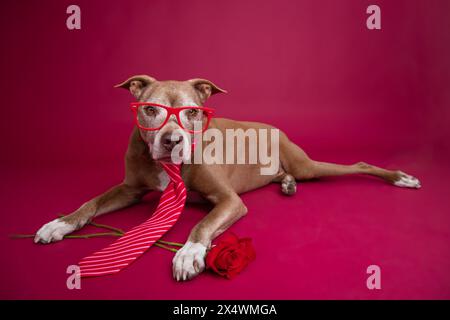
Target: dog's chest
{"type": "Point", "coordinates": [163, 181]}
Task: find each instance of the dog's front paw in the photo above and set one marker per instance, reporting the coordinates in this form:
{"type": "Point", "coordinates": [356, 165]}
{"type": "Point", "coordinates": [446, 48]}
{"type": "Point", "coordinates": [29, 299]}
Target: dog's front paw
{"type": "Point", "coordinates": [53, 231]}
{"type": "Point", "coordinates": [189, 261]}
{"type": "Point", "coordinates": [406, 181]}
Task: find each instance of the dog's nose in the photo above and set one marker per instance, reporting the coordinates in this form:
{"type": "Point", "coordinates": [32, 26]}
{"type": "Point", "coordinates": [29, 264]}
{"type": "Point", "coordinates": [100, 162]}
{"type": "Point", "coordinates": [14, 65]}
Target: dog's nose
{"type": "Point", "coordinates": [170, 142]}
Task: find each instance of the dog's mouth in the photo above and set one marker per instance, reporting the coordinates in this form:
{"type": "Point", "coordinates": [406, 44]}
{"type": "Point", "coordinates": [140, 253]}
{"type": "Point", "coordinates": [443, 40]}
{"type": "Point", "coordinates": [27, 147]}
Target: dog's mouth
{"type": "Point", "coordinates": [172, 147]}
{"type": "Point", "coordinates": [166, 157]}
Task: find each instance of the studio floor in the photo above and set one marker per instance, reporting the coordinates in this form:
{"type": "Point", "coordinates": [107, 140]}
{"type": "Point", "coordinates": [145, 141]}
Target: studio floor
{"type": "Point", "coordinates": [314, 245]}
{"type": "Point", "coordinates": [344, 92]}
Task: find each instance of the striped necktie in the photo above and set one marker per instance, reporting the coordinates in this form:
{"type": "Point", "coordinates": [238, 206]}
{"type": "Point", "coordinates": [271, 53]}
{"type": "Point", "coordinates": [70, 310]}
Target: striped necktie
{"type": "Point", "coordinates": [135, 242]}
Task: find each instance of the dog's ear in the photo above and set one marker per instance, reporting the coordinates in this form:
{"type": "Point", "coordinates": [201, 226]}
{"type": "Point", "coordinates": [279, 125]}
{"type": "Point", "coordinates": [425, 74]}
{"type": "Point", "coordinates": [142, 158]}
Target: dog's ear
{"type": "Point", "coordinates": [205, 88]}
{"type": "Point", "coordinates": [136, 84]}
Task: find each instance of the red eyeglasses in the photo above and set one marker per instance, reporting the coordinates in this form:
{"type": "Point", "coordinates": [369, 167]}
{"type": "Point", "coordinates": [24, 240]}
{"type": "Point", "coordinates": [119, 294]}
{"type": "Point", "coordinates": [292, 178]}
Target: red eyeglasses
{"type": "Point", "coordinates": [153, 116]}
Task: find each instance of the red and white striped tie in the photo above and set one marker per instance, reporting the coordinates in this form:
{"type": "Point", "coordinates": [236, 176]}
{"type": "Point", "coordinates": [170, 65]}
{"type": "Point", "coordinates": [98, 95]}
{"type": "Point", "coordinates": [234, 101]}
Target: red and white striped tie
{"type": "Point", "coordinates": [135, 242]}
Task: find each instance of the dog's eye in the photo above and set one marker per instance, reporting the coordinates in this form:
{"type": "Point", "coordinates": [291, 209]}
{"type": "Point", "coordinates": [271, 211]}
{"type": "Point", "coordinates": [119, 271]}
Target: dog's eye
{"type": "Point", "coordinates": [150, 110]}
{"type": "Point", "coordinates": [193, 112]}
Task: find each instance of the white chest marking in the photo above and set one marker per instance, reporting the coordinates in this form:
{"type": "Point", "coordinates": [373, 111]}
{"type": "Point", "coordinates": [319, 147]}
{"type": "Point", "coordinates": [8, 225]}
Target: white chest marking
{"type": "Point", "coordinates": [163, 181]}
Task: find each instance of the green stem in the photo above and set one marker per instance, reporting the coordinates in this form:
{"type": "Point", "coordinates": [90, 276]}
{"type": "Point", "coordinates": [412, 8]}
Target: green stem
{"type": "Point", "coordinates": [176, 244]}
{"type": "Point", "coordinates": [92, 235]}
{"type": "Point", "coordinates": [164, 247]}
{"type": "Point", "coordinates": [117, 233]}
{"type": "Point", "coordinates": [104, 226]}
{"type": "Point", "coordinates": [21, 236]}
{"type": "Point", "coordinates": [81, 236]}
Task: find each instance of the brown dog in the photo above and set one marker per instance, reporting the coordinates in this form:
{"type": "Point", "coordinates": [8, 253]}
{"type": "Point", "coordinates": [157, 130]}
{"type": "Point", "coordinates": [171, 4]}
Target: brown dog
{"type": "Point", "coordinates": [221, 184]}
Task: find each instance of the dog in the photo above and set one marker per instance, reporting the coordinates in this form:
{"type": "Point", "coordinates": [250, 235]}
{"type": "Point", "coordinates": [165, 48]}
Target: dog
{"type": "Point", "coordinates": [220, 184]}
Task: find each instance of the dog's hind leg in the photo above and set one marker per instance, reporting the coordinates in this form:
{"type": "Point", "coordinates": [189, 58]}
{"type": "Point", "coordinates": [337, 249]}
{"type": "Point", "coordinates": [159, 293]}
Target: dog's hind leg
{"type": "Point", "coordinates": [395, 177]}
{"type": "Point", "coordinates": [297, 163]}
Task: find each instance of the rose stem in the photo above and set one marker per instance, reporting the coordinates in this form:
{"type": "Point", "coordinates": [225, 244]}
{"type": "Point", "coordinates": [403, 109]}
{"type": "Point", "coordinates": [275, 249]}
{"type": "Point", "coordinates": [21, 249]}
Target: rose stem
{"type": "Point", "coordinates": [176, 244]}
{"type": "Point", "coordinates": [104, 226]}
{"type": "Point", "coordinates": [81, 236]}
{"type": "Point", "coordinates": [107, 227]}
{"type": "Point", "coordinates": [118, 231]}
{"type": "Point", "coordinates": [164, 247]}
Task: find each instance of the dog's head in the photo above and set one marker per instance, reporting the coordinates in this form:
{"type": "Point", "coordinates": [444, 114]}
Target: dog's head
{"type": "Point", "coordinates": [174, 94]}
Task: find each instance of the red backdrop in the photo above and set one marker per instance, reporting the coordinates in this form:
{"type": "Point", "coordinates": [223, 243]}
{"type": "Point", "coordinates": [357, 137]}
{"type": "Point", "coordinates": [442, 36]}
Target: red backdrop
{"type": "Point", "coordinates": [341, 91]}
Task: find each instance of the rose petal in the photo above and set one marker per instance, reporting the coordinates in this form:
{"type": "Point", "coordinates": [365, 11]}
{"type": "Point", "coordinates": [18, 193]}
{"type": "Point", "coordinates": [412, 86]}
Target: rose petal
{"type": "Point", "coordinates": [230, 255]}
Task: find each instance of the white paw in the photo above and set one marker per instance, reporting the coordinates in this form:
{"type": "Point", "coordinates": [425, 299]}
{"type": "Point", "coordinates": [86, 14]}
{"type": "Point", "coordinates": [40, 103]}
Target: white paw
{"type": "Point", "coordinates": [407, 181]}
{"type": "Point", "coordinates": [189, 261]}
{"type": "Point", "coordinates": [53, 231]}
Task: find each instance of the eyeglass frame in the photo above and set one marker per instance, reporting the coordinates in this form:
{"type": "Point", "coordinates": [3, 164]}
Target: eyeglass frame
{"type": "Point", "coordinates": [170, 111]}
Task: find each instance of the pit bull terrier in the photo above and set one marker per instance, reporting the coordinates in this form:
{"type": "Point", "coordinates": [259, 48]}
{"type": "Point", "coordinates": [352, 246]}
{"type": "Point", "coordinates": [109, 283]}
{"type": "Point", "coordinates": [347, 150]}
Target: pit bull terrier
{"type": "Point", "coordinates": [220, 184]}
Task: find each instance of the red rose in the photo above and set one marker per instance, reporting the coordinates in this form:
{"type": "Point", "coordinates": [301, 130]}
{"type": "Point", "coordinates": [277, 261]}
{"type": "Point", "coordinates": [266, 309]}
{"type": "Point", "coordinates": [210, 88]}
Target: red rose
{"type": "Point", "coordinates": [230, 256]}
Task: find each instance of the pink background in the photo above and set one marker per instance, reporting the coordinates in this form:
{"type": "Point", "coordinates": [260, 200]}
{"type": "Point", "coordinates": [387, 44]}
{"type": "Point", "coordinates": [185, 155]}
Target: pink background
{"type": "Point", "coordinates": [312, 68]}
